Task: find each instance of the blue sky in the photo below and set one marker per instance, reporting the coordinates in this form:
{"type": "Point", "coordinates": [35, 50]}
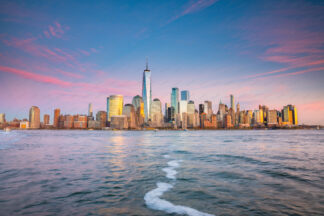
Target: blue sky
{"type": "Point", "coordinates": [68, 53]}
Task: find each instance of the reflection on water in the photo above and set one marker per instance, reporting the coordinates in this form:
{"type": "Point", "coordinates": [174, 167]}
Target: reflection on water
{"type": "Point", "coordinates": [110, 172]}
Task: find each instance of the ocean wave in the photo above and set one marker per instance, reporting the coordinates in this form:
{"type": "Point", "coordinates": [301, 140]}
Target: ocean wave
{"type": "Point", "coordinates": [153, 200]}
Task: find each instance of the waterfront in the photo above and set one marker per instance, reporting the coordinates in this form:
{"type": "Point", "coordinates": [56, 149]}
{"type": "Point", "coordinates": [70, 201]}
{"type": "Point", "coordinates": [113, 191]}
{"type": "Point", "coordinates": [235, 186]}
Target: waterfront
{"type": "Point", "coordinates": [75, 172]}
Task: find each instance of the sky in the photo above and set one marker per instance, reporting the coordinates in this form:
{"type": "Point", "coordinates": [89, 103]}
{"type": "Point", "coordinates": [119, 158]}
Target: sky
{"type": "Point", "coordinates": [67, 54]}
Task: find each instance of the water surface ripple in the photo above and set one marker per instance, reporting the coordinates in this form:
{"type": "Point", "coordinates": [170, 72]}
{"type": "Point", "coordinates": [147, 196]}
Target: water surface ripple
{"type": "Point", "coordinates": [279, 172]}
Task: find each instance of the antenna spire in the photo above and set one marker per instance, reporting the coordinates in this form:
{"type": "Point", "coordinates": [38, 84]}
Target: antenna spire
{"type": "Point", "coordinates": [146, 63]}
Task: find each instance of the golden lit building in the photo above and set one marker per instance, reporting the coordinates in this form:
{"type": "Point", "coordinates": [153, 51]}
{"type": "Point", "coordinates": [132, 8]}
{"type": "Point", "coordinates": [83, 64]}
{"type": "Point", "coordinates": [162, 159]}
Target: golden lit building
{"type": "Point", "coordinates": [289, 115]}
{"type": "Point", "coordinates": [261, 116]}
{"type": "Point", "coordinates": [56, 118]}
{"type": "Point", "coordinates": [114, 106]}
{"type": "Point", "coordinates": [24, 124]}
{"type": "Point", "coordinates": [34, 117]}
{"type": "Point", "coordinates": [295, 118]}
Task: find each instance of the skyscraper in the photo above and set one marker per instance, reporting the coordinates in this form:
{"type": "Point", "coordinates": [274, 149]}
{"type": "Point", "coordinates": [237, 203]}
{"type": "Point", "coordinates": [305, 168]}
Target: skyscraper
{"type": "Point", "coordinates": [102, 118]}
{"type": "Point", "coordinates": [90, 112]}
{"type": "Point", "coordinates": [191, 107]}
{"type": "Point", "coordinates": [208, 109]}
{"type": "Point", "coordinates": [183, 107]}
{"type": "Point", "coordinates": [2, 118]}
{"type": "Point", "coordinates": [46, 119]}
{"type": "Point", "coordinates": [201, 108]}
{"type": "Point", "coordinates": [175, 99]}
{"type": "Point", "coordinates": [114, 106]}
{"type": "Point", "coordinates": [139, 109]}
{"type": "Point", "coordinates": [34, 117]}
{"type": "Point", "coordinates": [138, 105]}
{"type": "Point", "coordinates": [129, 111]}
{"type": "Point", "coordinates": [171, 114]}
{"type": "Point", "coordinates": [185, 95]}
{"type": "Point", "coordinates": [232, 102]}
{"type": "Point", "coordinates": [56, 118]}
{"type": "Point", "coordinates": [147, 92]}
{"type": "Point", "coordinates": [156, 113]}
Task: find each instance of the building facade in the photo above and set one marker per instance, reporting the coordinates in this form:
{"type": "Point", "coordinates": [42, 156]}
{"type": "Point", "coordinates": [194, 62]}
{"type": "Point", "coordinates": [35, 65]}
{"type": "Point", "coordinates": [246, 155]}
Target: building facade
{"type": "Point", "coordinates": [56, 118]}
{"type": "Point", "coordinates": [147, 93]}
{"type": "Point", "coordinates": [175, 99]}
{"type": "Point", "coordinates": [46, 120]}
{"type": "Point", "coordinates": [34, 117]}
{"type": "Point", "coordinates": [114, 106]}
{"type": "Point", "coordinates": [185, 95]}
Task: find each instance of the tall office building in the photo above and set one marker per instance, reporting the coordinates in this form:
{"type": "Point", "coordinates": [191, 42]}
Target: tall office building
{"type": "Point", "coordinates": [208, 109]}
{"type": "Point", "coordinates": [34, 117]}
{"type": "Point", "coordinates": [2, 118]}
{"type": "Point", "coordinates": [171, 114]}
{"type": "Point", "coordinates": [175, 99]}
{"type": "Point", "coordinates": [289, 115]}
{"type": "Point", "coordinates": [232, 102]}
{"type": "Point", "coordinates": [114, 106]}
{"type": "Point", "coordinates": [56, 118]}
{"type": "Point", "coordinates": [156, 113]}
{"type": "Point", "coordinates": [129, 111]}
{"type": "Point", "coordinates": [166, 107]}
{"type": "Point", "coordinates": [138, 105]}
{"type": "Point", "coordinates": [183, 108]}
{"type": "Point", "coordinates": [185, 95]}
{"type": "Point", "coordinates": [90, 112]}
{"type": "Point", "coordinates": [191, 107]}
{"type": "Point", "coordinates": [46, 119]}
{"type": "Point", "coordinates": [201, 108]}
{"type": "Point", "coordinates": [101, 117]}
{"type": "Point", "coordinates": [147, 92]}
{"type": "Point", "coordinates": [139, 110]}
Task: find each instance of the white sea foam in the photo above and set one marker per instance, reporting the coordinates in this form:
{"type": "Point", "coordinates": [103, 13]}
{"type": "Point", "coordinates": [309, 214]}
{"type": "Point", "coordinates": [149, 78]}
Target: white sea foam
{"type": "Point", "coordinates": [170, 172]}
{"type": "Point", "coordinates": [153, 201]}
{"type": "Point", "coordinates": [166, 156]}
{"type": "Point", "coordinates": [174, 163]}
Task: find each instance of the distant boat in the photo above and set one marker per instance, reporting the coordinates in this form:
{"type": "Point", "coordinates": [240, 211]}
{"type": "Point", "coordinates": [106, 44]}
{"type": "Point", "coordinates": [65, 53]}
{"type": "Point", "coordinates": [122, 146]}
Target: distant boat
{"type": "Point", "coordinates": [7, 129]}
{"type": "Point", "coordinates": [156, 130]}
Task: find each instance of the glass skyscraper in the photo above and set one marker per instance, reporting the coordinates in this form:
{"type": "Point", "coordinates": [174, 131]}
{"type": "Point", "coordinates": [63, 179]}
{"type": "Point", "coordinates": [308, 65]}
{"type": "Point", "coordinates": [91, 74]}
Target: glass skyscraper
{"type": "Point", "coordinates": [232, 102]}
{"type": "Point", "coordinates": [114, 106]}
{"type": "Point", "coordinates": [185, 95]}
{"type": "Point", "coordinates": [175, 99]}
{"type": "Point", "coordinates": [147, 93]}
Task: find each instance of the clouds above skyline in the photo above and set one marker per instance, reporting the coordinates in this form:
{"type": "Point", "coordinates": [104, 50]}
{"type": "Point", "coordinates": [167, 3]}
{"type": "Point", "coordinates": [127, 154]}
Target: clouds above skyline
{"type": "Point", "coordinates": [264, 53]}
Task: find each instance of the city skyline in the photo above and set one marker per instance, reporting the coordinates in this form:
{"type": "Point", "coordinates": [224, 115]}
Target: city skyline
{"type": "Point", "coordinates": [261, 53]}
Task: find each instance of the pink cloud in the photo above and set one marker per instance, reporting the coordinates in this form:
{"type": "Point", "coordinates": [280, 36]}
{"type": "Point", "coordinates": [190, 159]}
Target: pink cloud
{"type": "Point", "coordinates": [35, 77]}
{"type": "Point", "coordinates": [55, 30]}
{"type": "Point", "coordinates": [84, 52]}
{"type": "Point", "coordinates": [312, 106]}
{"type": "Point", "coordinates": [47, 34]}
{"type": "Point", "coordinates": [30, 46]}
{"type": "Point", "coordinates": [291, 43]}
{"type": "Point", "coordinates": [69, 74]}
{"type": "Point", "coordinates": [294, 73]}
{"type": "Point", "coordinates": [94, 50]}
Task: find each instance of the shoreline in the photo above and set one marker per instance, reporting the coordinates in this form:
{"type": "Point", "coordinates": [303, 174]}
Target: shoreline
{"type": "Point", "coordinates": [171, 129]}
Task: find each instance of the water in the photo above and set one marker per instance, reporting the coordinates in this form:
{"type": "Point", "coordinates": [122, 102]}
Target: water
{"type": "Point", "coordinates": [279, 172]}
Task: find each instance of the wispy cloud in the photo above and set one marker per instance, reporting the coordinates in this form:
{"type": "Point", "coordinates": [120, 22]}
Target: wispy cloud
{"type": "Point", "coordinates": [292, 44]}
{"type": "Point", "coordinates": [55, 30]}
{"type": "Point", "coordinates": [192, 7]}
{"type": "Point", "coordinates": [35, 77]}
{"type": "Point", "coordinates": [293, 73]}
